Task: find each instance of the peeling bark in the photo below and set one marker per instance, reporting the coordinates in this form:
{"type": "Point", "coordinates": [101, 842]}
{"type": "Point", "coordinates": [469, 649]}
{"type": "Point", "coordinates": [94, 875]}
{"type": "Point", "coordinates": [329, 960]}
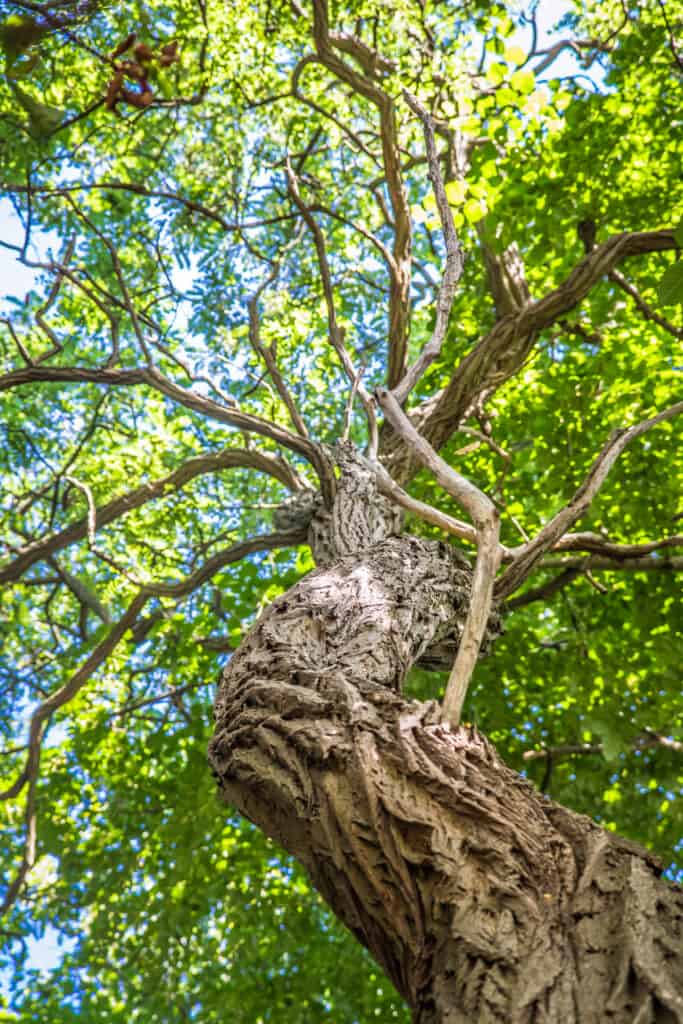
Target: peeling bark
{"type": "Point", "coordinates": [482, 900]}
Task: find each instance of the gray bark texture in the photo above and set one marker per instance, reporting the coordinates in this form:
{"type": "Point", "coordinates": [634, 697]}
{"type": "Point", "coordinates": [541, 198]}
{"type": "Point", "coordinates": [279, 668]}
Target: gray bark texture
{"type": "Point", "coordinates": [482, 900]}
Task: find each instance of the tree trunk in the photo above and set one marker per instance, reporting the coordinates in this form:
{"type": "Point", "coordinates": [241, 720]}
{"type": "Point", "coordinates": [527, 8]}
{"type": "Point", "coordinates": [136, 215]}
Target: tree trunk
{"type": "Point", "coordinates": [482, 900]}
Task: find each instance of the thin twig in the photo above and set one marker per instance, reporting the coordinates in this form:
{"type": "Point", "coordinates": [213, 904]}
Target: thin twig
{"type": "Point", "coordinates": [269, 354]}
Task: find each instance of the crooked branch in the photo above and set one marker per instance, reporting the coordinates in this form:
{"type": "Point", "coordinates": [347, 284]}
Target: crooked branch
{"type": "Point", "coordinates": [502, 352]}
{"type": "Point", "coordinates": [125, 503]}
{"type": "Point", "coordinates": [489, 551]}
{"type": "Point", "coordinates": [366, 84]}
{"type": "Point", "coordinates": [455, 259]}
{"type": "Point", "coordinates": [29, 775]}
{"type": "Point", "coordinates": [150, 376]}
{"type": "Point", "coordinates": [525, 557]}
{"type": "Point", "coordinates": [335, 332]}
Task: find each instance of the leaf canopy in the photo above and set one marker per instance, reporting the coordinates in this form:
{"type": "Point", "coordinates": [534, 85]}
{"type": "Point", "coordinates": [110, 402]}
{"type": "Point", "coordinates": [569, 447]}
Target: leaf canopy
{"type": "Point", "coordinates": [152, 189]}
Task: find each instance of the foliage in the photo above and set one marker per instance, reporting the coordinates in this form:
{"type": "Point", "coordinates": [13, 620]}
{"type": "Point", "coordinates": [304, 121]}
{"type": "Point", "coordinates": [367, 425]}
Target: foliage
{"type": "Point", "coordinates": [165, 217]}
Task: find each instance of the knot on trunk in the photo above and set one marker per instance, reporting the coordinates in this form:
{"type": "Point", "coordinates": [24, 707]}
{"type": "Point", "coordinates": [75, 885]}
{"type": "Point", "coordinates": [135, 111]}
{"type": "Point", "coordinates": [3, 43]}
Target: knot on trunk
{"type": "Point", "coordinates": [359, 518]}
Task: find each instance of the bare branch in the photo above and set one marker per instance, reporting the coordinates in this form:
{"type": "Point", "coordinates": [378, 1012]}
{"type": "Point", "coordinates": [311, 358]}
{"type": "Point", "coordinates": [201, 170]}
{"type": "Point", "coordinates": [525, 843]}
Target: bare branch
{"type": "Point", "coordinates": [235, 553]}
{"type": "Point", "coordinates": [52, 296]}
{"type": "Point", "coordinates": [597, 544]}
{"type": "Point", "coordinates": [366, 85]}
{"type": "Point", "coordinates": [526, 556]}
{"type": "Point", "coordinates": [83, 594]}
{"type": "Point", "coordinates": [344, 128]}
{"type": "Point", "coordinates": [66, 693]}
{"type": "Point", "coordinates": [595, 563]}
{"type": "Point", "coordinates": [172, 695]}
{"type": "Point", "coordinates": [336, 333]}
{"type": "Point", "coordinates": [455, 259]}
{"type": "Point", "coordinates": [39, 719]}
{"type": "Point", "coordinates": [190, 399]}
{"type": "Point", "coordinates": [648, 312]}
{"type": "Point", "coordinates": [269, 357]}
{"type": "Point", "coordinates": [428, 513]}
{"type": "Point", "coordinates": [481, 602]}
{"type": "Point", "coordinates": [489, 551]}
{"type": "Point", "coordinates": [138, 189]}
{"type": "Point", "coordinates": [112, 510]}
{"type": "Point", "coordinates": [500, 354]}
{"type": "Point", "coordinates": [546, 590]}
{"type": "Point", "coordinates": [648, 741]}
{"type": "Point", "coordinates": [475, 502]}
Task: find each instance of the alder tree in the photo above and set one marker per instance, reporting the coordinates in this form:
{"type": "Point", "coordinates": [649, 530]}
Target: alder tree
{"type": "Point", "coordinates": [341, 395]}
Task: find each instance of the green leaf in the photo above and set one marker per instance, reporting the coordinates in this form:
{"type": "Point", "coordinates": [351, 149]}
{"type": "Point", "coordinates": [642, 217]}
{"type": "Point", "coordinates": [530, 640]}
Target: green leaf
{"type": "Point", "coordinates": [456, 192]}
{"type": "Point", "coordinates": [515, 55]}
{"type": "Point", "coordinates": [523, 81]}
{"type": "Point", "coordinates": [670, 287]}
{"type": "Point", "coordinates": [474, 210]}
{"type": "Point", "coordinates": [496, 73]}
{"type": "Point", "coordinates": [42, 118]}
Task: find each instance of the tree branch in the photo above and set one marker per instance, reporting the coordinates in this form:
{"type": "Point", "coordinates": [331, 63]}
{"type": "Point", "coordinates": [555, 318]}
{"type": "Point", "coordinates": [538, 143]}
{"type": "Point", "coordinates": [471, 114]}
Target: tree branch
{"type": "Point", "coordinates": [545, 590]}
{"type": "Point", "coordinates": [489, 551]}
{"type": "Point", "coordinates": [268, 355]}
{"type": "Point", "coordinates": [648, 312]}
{"type": "Point", "coordinates": [151, 193]}
{"type": "Point", "coordinates": [336, 333]}
{"type": "Point", "coordinates": [596, 544]}
{"type": "Point", "coordinates": [644, 563]}
{"type": "Point", "coordinates": [41, 715]}
{"type": "Point", "coordinates": [366, 85]}
{"type": "Point", "coordinates": [38, 724]}
{"type": "Point", "coordinates": [646, 742]}
{"type": "Point", "coordinates": [121, 506]}
{"type": "Point", "coordinates": [501, 353]}
{"type": "Point", "coordinates": [455, 259]}
{"type": "Point", "coordinates": [527, 555]}
{"type": "Point", "coordinates": [190, 399]}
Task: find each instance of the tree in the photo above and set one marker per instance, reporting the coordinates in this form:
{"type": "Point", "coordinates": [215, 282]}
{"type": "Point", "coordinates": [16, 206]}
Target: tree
{"type": "Point", "coordinates": [366, 286]}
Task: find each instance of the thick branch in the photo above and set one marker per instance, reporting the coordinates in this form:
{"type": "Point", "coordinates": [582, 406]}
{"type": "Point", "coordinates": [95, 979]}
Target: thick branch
{"type": "Point", "coordinates": [503, 351]}
{"type": "Point", "coordinates": [475, 502]}
{"type": "Point", "coordinates": [489, 552]}
{"type": "Point", "coordinates": [121, 506]}
{"type": "Point", "coordinates": [190, 399]}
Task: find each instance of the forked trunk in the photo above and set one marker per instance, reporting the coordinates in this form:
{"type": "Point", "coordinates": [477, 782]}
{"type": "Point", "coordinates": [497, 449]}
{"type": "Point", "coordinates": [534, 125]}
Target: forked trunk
{"type": "Point", "coordinates": [482, 900]}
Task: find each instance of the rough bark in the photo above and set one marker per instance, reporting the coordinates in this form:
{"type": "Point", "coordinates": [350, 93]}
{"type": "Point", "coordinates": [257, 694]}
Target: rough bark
{"type": "Point", "coordinates": [482, 900]}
